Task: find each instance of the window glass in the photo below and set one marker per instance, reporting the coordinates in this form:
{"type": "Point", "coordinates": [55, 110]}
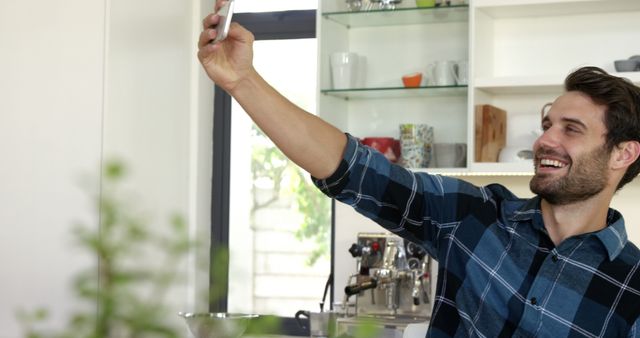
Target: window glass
{"type": "Point", "coordinates": [279, 224]}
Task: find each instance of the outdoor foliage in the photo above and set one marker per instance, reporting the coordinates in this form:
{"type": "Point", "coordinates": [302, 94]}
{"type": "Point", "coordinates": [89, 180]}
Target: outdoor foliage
{"type": "Point", "coordinates": [268, 163]}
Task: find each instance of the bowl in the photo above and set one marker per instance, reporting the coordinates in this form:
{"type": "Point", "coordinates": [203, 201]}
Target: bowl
{"type": "Point", "coordinates": [412, 80]}
{"type": "Point", "coordinates": [515, 154]}
{"type": "Point", "coordinates": [216, 325]}
{"type": "Point", "coordinates": [626, 65]}
{"type": "Point", "coordinates": [388, 146]}
{"type": "Point", "coordinates": [426, 3]}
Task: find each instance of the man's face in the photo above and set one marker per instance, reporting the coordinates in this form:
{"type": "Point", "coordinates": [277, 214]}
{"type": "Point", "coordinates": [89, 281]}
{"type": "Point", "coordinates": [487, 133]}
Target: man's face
{"type": "Point", "coordinates": [571, 161]}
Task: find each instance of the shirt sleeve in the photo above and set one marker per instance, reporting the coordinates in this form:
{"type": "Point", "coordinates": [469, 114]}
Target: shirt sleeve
{"type": "Point", "coordinates": [633, 333]}
{"type": "Point", "coordinates": [418, 206]}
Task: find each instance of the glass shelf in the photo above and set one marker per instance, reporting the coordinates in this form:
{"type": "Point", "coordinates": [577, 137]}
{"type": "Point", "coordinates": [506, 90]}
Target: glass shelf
{"type": "Point", "coordinates": [396, 92]}
{"type": "Point", "coordinates": [400, 16]}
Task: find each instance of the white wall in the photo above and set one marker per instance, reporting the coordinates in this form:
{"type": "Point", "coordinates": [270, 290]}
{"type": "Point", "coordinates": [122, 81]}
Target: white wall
{"type": "Point", "coordinates": [158, 117]}
{"type": "Point", "coordinates": [83, 78]}
{"type": "Point", "coordinates": [51, 82]}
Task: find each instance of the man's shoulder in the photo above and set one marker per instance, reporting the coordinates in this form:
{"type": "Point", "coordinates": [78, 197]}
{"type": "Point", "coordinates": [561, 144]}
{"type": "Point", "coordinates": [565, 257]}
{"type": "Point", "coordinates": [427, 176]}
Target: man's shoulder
{"type": "Point", "coordinates": [502, 192]}
{"type": "Point", "coordinates": [626, 266]}
{"type": "Point", "coordinates": [630, 255]}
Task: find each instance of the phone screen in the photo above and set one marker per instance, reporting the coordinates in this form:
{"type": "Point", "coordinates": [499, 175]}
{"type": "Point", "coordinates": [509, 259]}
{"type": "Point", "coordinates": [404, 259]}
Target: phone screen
{"type": "Point", "coordinates": [225, 12]}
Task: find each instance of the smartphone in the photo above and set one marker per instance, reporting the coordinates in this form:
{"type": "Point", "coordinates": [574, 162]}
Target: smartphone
{"type": "Point", "coordinates": [222, 29]}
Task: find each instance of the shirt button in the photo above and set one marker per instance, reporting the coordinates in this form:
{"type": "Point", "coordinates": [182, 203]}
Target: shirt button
{"type": "Point", "coordinates": [554, 258]}
{"type": "Point", "coordinates": [534, 301]}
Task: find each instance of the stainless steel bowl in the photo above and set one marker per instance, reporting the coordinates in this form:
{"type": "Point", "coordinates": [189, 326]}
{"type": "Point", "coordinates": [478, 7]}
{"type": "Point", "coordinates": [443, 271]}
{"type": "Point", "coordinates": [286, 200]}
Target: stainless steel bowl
{"type": "Point", "coordinates": [216, 325]}
{"type": "Point", "coordinates": [630, 65]}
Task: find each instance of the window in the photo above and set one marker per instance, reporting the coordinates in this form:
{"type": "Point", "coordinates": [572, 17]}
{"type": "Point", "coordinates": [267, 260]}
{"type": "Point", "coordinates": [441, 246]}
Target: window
{"type": "Point", "coordinates": [276, 225]}
{"type": "Point", "coordinates": [274, 236]}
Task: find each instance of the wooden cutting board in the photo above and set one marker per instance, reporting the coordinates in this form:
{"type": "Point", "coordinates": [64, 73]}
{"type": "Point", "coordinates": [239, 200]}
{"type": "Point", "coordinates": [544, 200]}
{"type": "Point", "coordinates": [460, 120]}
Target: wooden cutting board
{"type": "Point", "coordinates": [490, 132]}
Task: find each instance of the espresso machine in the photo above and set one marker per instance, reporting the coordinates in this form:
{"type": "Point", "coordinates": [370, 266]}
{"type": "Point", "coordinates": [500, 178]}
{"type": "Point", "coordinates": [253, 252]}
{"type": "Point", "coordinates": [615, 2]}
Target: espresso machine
{"type": "Point", "coordinates": [392, 284]}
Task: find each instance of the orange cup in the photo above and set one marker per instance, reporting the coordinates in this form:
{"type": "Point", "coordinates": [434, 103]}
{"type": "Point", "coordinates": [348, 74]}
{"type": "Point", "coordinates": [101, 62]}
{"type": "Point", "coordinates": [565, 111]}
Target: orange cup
{"type": "Point", "coordinates": [412, 80]}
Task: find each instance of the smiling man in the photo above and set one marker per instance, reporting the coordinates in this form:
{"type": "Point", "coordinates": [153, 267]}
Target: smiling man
{"type": "Point", "coordinates": [556, 265]}
{"type": "Point", "coordinates": [588, 151]}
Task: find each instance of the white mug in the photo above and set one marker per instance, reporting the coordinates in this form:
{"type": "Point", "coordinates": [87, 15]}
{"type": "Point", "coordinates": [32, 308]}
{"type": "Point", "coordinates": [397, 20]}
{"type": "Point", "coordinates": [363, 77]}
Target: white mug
{"type": "Point", "coordinates": [441, 73]}
{"type": "Point", "coordinates": [460, 71]}
{"type": "Point", "coordinates": [344, 70]}
{"type": "Point", "coordinates": [450, 155]}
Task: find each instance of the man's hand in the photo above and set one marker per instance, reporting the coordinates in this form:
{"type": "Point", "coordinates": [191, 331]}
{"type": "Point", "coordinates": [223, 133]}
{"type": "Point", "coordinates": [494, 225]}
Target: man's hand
{"type": "Point", "coordinates": [230, 61]}
{"type": "Point", "coordinates": [312, 143]}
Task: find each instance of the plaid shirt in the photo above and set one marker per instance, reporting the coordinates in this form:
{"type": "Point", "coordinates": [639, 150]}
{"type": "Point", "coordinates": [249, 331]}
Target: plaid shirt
{"type": "Point", "coordinates": [500, 275]}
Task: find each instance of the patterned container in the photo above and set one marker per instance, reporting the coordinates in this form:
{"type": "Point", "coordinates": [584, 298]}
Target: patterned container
{"type": "Point", "coordinates": [416, 142]}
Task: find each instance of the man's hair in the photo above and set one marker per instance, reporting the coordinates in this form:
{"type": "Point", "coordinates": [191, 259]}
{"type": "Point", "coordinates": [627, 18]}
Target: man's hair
{"type": "Point", "coordinates": [622, 100]}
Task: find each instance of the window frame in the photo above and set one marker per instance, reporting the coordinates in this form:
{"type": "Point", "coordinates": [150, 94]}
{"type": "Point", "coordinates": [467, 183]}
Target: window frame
{"type": "Point", "coordinates": [278, 25]}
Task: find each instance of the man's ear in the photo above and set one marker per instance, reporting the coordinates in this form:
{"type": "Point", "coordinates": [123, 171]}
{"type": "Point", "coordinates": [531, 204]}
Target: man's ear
{"type": "Point", "coordinates": [624, 154]}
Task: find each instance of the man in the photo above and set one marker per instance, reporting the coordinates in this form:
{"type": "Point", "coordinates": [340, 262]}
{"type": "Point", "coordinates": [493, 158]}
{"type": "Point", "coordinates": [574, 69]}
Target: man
{"type": "Point", "coordinates": [556, 265]}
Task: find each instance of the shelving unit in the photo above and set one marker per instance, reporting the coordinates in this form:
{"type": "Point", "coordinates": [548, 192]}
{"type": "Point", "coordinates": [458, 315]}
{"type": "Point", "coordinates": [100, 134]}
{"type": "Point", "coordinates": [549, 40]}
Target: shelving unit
{"type": "Point", "coordinates": [521, 52]}
{"type": "Point", "coordinates": [400, 16]}
{"type": "Point", "coordinates": [506, 85]}
{"type": "Point", "coordinates": [394, 43]}
{"type": "Point", "coordinates": [397, 92]}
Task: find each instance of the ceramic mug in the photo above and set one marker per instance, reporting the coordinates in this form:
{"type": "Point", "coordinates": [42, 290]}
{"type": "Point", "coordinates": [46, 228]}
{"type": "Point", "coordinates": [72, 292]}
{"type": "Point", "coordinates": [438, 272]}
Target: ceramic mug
{"type": "Point", "coordinates": [388, 146]}
{"type": "Point", "coordinates": [441, 73]}
{"type": "Point", "coordinates": [460, 72]}
{"type": "Point", "coordinates": [344, 70]}
{"type": "Point", "coordinates": [450, 155]}
{"type": "Point", "coordinates": [415, 145]}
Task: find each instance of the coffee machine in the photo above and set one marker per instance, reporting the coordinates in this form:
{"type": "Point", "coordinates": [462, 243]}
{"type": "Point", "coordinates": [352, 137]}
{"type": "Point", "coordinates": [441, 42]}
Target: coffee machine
{"type": "Point", "coordinates": [393, 280]}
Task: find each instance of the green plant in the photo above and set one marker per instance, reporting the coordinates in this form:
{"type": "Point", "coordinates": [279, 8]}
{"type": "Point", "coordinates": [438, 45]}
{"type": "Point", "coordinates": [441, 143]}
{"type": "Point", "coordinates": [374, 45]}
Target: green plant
{"type": "Point", "coordinates": [127, 288]}
{"type": "Point", "coordinates": [268, 162]}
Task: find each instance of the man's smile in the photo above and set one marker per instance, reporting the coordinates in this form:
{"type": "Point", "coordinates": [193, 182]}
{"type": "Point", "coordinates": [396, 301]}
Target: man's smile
{"type": "Point", "coordinates": [549, 165]}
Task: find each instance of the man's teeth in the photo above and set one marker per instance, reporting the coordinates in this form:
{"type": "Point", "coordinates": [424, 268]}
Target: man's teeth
{"type": "Point", "coordinates": [552, 163]}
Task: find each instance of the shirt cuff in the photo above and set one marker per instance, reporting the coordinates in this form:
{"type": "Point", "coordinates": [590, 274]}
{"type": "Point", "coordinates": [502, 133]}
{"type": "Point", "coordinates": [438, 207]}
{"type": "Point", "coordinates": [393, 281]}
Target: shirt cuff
{"type": "Point", "coordinates": [333, 185]}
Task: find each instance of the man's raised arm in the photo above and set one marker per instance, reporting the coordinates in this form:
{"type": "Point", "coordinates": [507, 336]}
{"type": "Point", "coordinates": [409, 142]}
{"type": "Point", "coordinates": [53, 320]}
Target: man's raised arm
{"type": "Point", "coordinates": [307, 140]}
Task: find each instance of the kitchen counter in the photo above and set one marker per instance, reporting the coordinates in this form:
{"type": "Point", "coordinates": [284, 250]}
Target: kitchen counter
{"type": "Point", "coordinates": [270, 336]}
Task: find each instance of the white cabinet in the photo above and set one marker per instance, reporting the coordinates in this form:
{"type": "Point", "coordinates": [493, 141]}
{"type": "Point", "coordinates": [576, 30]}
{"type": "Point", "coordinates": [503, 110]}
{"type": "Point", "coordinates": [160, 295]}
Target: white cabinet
{"type": "Point", "coordinates": [394, 43]}
{"type": "Point", "coordinates": [519, 53]}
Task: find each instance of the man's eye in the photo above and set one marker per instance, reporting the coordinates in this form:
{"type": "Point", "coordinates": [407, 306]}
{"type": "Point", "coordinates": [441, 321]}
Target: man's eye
{"type": "Point", "coordinates": [573, 129]}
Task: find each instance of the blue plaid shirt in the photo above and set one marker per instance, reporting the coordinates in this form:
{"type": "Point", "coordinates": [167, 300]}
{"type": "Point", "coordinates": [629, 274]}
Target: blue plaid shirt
{"type": "Point", "coordinates": [500, 275]}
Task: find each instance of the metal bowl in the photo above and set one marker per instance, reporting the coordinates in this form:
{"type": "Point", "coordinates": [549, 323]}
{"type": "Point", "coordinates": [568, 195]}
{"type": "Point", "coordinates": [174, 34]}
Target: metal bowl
{"type": "Point", "coordinates": [216, 325]}
{"type": "Point", "coordinates": [626, 65]}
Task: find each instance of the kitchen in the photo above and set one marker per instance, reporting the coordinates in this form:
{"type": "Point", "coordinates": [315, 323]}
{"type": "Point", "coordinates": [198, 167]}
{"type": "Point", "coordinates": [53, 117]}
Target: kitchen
{"type": "Point", "coordinates": [109, 100]}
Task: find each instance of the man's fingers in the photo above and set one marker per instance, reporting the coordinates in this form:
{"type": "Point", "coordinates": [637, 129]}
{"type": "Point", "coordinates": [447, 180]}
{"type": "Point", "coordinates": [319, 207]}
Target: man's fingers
{"type": "Point", "coordinates": [240, 33]}
{"type": "Point", "coordinates": [219, 4]}
{"type": "Point", "coordinates": [205, 51]}
{"type": "Point", "coordinates": [210, 21]}
{"type": "Point", "coordinates": [213, 18]}
{"type": "Point", "coordinates": [206, 37]}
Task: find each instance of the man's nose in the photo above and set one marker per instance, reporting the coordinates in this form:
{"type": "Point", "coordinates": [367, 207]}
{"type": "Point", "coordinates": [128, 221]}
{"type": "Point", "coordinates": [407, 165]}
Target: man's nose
{"type": "Point", "coordinates": [550, 138]}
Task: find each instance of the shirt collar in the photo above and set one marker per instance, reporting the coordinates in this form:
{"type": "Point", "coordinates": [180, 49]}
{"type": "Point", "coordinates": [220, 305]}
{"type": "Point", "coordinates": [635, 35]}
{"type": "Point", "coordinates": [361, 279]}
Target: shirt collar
{"type": "Point", "coordinates": [523, 212]}
{"type": "Point", "coordinates": [613, 237]}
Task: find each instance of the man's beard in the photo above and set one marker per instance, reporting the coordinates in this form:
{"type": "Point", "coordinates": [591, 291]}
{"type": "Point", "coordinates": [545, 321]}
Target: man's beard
{"type": "Point", "coordinates": [586, 177]}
